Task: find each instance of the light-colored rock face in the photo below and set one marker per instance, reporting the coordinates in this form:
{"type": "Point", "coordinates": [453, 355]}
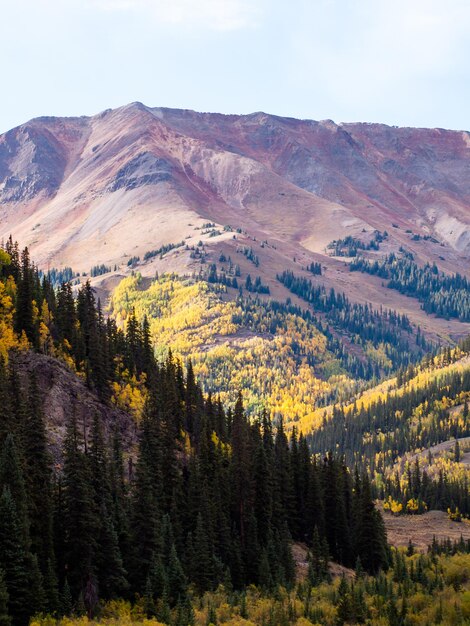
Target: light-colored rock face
{"type": "Point", "coordinates": [83, 191]}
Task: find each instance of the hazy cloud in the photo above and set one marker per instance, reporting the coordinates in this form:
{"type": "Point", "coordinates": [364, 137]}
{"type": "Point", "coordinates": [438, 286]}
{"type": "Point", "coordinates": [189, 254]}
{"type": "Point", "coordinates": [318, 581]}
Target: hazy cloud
{"type": "Point", "coordinates": [373, 51]}
{"type": "Point", "coordinates": [218, 15]}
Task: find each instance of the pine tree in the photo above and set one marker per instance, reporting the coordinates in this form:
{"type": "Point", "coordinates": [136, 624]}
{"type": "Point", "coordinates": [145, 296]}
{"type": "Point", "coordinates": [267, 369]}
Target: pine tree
{"type": "Point", "coordinates": [241, 476]}
{"type": "Point", "coordinates": [344, 609]}
{"type": "Point", "coordinates": [110, 570]}
{"type": "Point", "coordinates": [7, 421]}
{"type": "Point", "coordinates": [5, 619]}
{"type": "Point", "coordinates": [66, 601]}
{"type": "Point", "coordinates": [79, 513]}
{"type": "Point", "coordinates": [265, 579]}
{"type": "Point", "coordinates": [38, 480]}
{"type": "Point", "coordinates": [13, 560]}
{"type": "Point", "coordinates": [176, 577]}
{"type": "Point", "coordinates": [203, 565]}
{"type": "Point", "coordinates": [370, 539]}
{"type": "Point", "coordinates": [119, 496]}
{"type": "Point", "coordinates": [11, 476]}
{"type": "Point", "coordinates": [317, 561]}
{"type": "Point", "coordinates": [37, 597]}
{"type": "Point", "coordinates": [263, 485]}
{"type": "Point", "coordinates": [24, 308]}
{"type": "Point", "coordinates": [144, 514]}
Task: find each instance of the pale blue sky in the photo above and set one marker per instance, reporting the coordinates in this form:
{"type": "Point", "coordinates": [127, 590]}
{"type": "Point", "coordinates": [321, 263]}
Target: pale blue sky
{"type": "Point", "coordinates": [404, 62]}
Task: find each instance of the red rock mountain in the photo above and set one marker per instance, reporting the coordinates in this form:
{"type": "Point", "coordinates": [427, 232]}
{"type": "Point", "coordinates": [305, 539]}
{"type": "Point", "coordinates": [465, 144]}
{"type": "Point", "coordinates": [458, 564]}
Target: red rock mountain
{"type": "Point", "coordinates": [90, 190]}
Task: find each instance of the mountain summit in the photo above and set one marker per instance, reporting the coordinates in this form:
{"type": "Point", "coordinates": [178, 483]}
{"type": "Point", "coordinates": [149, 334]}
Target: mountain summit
{"type": "Point", "coordinates": [104, 189]}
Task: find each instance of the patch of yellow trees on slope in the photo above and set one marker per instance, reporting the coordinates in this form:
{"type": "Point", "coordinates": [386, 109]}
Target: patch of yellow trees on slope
{"type": "Point", "coordinates": [436, 369]}
{"type": "Point", "coordinates": [8, 338]}
{"type": "Point", "coordinates": [231, 349]}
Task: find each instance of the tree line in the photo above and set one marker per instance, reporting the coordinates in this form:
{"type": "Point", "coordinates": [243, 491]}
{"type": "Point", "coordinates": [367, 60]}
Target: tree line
{"type": "Point", "coordinates": [441, 294]}
{"type": "Point", "coordinates": [384, 329]}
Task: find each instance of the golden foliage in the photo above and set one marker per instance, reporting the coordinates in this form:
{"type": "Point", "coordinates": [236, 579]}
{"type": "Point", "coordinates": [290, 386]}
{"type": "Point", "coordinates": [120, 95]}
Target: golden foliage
{"type": "Point", "coordinates": [195, 320]}
{"type": "Point", "coordinates": [8, 338]}
{"type": "Point", "coordinates": [129, 394]}
{"type": "Point", "coordinates": [393, 506]}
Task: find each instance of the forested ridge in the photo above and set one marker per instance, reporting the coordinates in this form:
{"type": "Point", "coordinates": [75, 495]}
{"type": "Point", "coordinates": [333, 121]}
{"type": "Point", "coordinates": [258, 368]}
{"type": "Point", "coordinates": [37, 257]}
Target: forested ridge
{"type": "Point", "coordinates": [441, 294]}
{"type": "Point", "coordinates": [424, 406]}
{"type": "Point", "coordinates": [386, 330]}
{"type": "Point", "coordinates": [194, 522]}
{"type": "Point", "coordinates": [284, 357]}
{"type": "Point", "coordinates": [212, 496]}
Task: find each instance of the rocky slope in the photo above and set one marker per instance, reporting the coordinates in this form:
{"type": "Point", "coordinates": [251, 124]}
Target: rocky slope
{"type": "Point", "coordinates": [102, 189]}
{"type": "Point", "coordinates": [63, 394]}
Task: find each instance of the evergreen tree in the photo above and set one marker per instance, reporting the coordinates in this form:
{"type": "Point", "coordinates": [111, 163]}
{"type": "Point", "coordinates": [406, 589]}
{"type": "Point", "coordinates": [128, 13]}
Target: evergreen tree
{"type": "Point", "coordinates": [24, 313]}
{"type": "Point", "coordinates": [370, 539]}
{"type": "Point", "coordinates": [11, 476]}
{"type": "Point", "coordinates": [38, 481]}
{"type": "Point", "coordinates": [80, 516]}
{"type": "Point", "coordinates": [5, 619]}
{"type": "Point", "coordinates": [13, 560]}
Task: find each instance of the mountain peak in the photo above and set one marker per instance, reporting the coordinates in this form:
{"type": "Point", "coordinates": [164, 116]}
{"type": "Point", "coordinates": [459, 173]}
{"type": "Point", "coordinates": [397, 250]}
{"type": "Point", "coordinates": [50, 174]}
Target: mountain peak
{"type": "Point", "coordinates": [100, 190]}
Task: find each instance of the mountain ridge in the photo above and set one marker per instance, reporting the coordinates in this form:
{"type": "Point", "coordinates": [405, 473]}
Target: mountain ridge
{"type": "Point", "coordinates": [107, 188]}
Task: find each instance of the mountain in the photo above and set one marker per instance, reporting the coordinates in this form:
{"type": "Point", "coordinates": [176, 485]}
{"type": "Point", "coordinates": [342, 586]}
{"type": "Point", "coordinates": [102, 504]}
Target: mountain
{"type": "Point", "coordinates": [107, 190]}
{"type": "Point", "coordinates": [214, 446]}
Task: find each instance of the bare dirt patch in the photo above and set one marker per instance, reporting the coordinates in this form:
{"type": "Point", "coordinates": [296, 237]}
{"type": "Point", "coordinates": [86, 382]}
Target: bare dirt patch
{"type": "Point", "coordinates": [421, 528]}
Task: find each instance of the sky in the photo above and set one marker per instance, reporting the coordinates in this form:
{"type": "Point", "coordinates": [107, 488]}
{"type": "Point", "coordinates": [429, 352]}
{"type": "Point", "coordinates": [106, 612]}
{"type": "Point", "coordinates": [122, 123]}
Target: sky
{"type": "Point", "coordinates": [400, 62]}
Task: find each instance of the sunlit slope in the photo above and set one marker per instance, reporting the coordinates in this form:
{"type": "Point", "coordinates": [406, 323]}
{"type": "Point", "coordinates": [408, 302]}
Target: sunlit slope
{"type": "Point", "coordinates": [433, 371]}
{"type": "Point", "coordinates": [279, 360]}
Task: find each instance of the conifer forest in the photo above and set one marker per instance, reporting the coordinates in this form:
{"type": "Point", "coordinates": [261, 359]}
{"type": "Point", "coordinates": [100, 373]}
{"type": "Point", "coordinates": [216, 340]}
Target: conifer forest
{"type": "Point", "coordinates": [175, 494]}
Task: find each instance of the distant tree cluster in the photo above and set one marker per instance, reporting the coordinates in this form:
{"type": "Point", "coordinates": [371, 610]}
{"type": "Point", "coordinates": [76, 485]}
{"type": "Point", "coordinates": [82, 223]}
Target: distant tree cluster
{"type": "Point", "coordinates": [57, 277]}
{"type": "Point", "coordinates": [255, 286]}
{"type": "Point", "coordinates": [250, 254]}
{"type": "Point", "coordinates": [163, 250]}
{"type": "Point", "coordinates": [441, 294]}
{"type": "Point", "coordinates": [99, 270]}
{"type": "Point", "coordinates": [314, 268]}
{"type": "Point", "coordinates": [133, 261]}
{"type": "Point", "coordinates": [349, 246]}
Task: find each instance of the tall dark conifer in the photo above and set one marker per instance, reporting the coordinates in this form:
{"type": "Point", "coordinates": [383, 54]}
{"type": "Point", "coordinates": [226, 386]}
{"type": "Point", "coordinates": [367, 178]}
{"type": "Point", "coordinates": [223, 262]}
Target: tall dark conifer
{"type": "Point", "coordinates": [80, 514]}
{"type": "Point", "coordinates": [13, 560]}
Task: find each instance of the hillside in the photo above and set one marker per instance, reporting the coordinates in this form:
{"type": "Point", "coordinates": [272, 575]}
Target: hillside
{"type": "Point", "coordinates": [283, 358]}
{"type": "Point", "coordinates": [411, 433]}
{"type": "Point", "coordinates": [211, 499]}
{"type": "Point", "coordinates": [62, 394]}
{"type": "Point", "coordinates": [109, 189]}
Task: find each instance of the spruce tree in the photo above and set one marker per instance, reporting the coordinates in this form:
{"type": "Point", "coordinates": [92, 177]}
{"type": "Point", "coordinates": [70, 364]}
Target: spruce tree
{"type": "Point", "coordinates": [80, 516]}
{"type": "Point", "coordinates": [145, 513]}
{"type": "Point", "coordinates": [11, 476]}
{"type": "Point", "coordinates": [109, 567]}
{"type": "Point", "coordinates": [13, 560]}
{"type": "Point", "coordinates": [370, 538]}
{"type": "Point", "coordinates": [5, 619]}
{"type": "Point", "coordinates": [24, 308]}
{"type": "Point", "coordinates": [38, 480]}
